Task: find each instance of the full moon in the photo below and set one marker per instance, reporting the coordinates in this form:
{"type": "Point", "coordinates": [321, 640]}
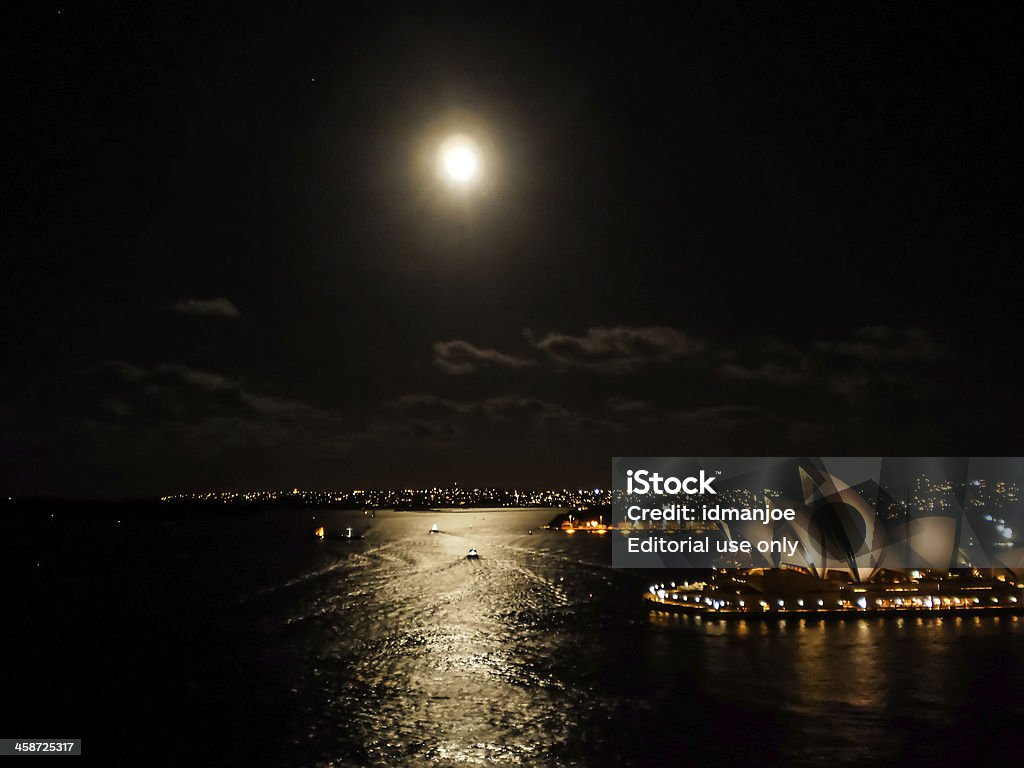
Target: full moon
{"type": "Point", "coordinates": [459, 161]}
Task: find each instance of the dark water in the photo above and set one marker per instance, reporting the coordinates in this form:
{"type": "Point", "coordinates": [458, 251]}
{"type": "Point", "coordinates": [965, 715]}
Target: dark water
{"type": "Point", "coordinates": [239, 639]}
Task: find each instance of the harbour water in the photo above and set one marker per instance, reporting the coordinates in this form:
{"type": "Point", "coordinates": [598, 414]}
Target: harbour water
{"type": "Point", "coordinates": [237, 637]}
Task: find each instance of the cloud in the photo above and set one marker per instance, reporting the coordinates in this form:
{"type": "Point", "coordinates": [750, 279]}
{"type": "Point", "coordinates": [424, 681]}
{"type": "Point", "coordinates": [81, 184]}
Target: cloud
{"type": "Point", "coordinates": [624, 405]}
{"type": "Point", "coordinates": [881, 344]}
{"type": "Point", "coordinates": [744, 358]}
{"type": "Point", "coordinates": [218, 307]}
{"type": "Point", "coordinates": [618, 350]}
{"type": "Point", "coordinates": [615, 350]}
{"type": "Point", "coordinates": [498, 407]}
{"type": "Point", "coordinates": [423, 402]}
{"type": "Point", "coordinates": [711, 414]}
{"type": "Point", "coordinates": [873, 363]}
{"type": "Point", "coordinates": [877, 360]}
{"type": "Point", "coordinates": [535, 413]}
{"type": "Point", "coordinates": [459, 356]}
{"type": "Point", "coordinates": [764, 372]}
{"type": "Point", "coordinates": [181, 403]}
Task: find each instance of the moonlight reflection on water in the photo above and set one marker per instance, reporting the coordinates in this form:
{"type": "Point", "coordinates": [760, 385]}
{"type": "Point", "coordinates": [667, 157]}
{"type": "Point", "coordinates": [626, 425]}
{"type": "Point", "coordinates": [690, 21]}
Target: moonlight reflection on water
{"type": "Point", "coordinates": [395, 649]}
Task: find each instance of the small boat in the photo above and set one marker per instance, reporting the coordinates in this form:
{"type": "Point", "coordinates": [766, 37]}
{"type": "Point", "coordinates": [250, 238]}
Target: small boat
{"type": "Point", "coordinates": [348, 535]}
{"type": "Point", "coordinates": [472, 554]}
{"type": "Point", "coordinates": [434, 528]}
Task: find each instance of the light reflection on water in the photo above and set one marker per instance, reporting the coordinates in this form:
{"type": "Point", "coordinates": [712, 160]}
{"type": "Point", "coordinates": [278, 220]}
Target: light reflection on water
{"type": "Point", "coordinates": [416, 653]}
{"type": "Point", "coordinates": [539, 654]}
{"type": "Point", "coordinates": [244, 631]}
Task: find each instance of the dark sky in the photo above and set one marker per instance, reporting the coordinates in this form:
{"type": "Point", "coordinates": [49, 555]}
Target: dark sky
{"type": "Point", "coordinates": [707, 229]}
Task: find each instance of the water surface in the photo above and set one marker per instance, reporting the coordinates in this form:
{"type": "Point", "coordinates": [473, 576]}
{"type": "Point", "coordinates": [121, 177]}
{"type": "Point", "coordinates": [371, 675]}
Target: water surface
{"type": "Point", "coordinates": [241, 635]}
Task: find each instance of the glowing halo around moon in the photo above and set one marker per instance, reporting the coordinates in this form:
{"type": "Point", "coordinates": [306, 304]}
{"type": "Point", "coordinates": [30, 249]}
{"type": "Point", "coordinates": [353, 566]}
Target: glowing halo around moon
{"type": "Point", "coordinates": [459, 166]}
{"type": "Point", "coordinates": [459, 161]}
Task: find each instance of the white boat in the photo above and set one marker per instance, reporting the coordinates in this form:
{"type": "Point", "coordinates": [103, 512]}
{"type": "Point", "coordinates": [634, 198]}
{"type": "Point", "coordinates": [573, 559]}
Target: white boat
{"type": "Point", "coordinates": [434, 528]}
{"type": "Point", "coordinates": [472, 553]}
{"type": "Point", "coordinates": [349, 534]}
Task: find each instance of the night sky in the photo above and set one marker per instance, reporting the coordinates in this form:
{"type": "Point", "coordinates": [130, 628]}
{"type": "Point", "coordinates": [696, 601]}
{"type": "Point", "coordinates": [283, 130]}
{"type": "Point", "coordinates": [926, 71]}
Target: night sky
{"type": "Point", "coordinates": [706, 229]}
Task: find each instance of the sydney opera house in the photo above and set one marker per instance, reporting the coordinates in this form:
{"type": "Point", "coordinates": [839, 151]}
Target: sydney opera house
{"type": "Point", "coordinates": [893, 535]}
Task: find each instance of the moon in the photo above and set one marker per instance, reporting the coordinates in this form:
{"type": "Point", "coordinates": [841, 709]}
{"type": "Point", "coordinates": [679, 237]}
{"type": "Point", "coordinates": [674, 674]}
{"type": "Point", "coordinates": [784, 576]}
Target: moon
{"type": "Point", "coordinates": [459, 161]}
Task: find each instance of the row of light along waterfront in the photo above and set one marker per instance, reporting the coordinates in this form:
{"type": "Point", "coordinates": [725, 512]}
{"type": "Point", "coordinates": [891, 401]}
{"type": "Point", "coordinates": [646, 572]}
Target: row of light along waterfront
{"type": "Point", "coordinates": [766, 591]}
